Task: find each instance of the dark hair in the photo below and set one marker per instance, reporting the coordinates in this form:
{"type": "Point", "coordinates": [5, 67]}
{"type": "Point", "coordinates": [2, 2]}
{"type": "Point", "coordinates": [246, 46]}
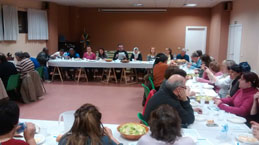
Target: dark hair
{"type": "Point", "coordinates": [19, 54]}
{"type": "Point", "coordinates": [2, 58]}
{"type": "Point", "coordinates": [199, 52]}
{"type": "Point", "coordinates": [87, 126]}
{"type": "Point", "coordinates": [195, 54]}
{"type": "Point", "coordinates": [214, 66]}
{"type": "Point", "coordinates": [99, 52]}
{"type": "Point", "coordinates": [160, 57]}
{"type": "Point", "coordinates": [165, 124]}
{"type": "Point", "coordinates": [62, 50]}
{"type": "Point", "coordinates": [245, 67]}
{"type": "Point", "coordinates": [172, 70]}
{"type": "Point", "coordinates": [235, 68]}
{"type": "Point", "coordinates": [251, 77]}
{"type": "Point", "coordinates": [26, 55]}
{"type": "Point", "coordinates": [44, 49]}
{"type": "Point", "coordinates": [206, 59]}
{"type": "Point", "coordinates": [9, 116]}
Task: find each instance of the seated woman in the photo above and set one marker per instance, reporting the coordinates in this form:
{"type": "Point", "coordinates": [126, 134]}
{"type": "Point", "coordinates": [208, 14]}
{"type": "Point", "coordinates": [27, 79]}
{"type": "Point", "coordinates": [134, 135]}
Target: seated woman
{"type": "Point", "coordinates": [235, 75]}
{"type": "Point", "coordinates": [165, 128]}
{"type": "Point", "coordinates": [88, 129]}
{"type": "Point", "coordinates": [223, 81]}
{"type": "Point", "coordinates": [241, 103]}
{"type": "Point", "coordinates": [215, 69]}
{"type": "Point", "coordinates": [101, 54]}
{"type": "Point", "coordinates": [136, 55]}
{"type": "Point", "coordinates": [160, 66]}
{"type": "Point", "coordinates": [89, 54]}
{"type": "Point", "coordinates": [6, 69]}
{"type": "Point", "coordinates": [196, 61]}
{"type": "Point", "coordinates": [152, 55]}
{"type": "Point", "coordinates": [169, 54]}
{"type": "Point", "coordinates": [205, 62]}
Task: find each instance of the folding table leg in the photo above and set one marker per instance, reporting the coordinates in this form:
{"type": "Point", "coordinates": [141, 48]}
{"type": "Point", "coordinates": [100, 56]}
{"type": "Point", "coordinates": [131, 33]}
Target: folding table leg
{"type": "Point", "coordinates": [60, 75]}
{"type": "Point", "coordinates": [109, 74]}
{"type": "Point", "coordinates": [79, 75]}
{"type": "Point", "coordinates": [114, 73]}
{"type": "Point", "coordinates": [54, 71]}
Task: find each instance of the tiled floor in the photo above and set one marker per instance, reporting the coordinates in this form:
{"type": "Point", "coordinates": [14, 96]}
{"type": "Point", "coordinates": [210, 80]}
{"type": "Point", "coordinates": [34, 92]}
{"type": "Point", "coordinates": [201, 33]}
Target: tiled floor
{"type": "Point", "coordinates": [118, 103]}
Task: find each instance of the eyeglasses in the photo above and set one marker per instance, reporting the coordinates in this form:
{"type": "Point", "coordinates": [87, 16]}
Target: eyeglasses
{"type": "Point", "coordinates": [184, 87]}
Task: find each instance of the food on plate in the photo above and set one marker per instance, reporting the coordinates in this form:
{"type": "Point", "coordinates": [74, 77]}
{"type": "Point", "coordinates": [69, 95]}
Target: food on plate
{"type": "Point", "coordinates": [180, 61]}
{"type": "Point", "coordinates": [59, 137]}
{"type": "Point", "coordinates": [108, 60]}
{"type": "Point", "coordinates": [210, 122]}
{"type": "Point", "coordinates": [206, 98]}
{"type": "Point", "coordinates": [124, 61]}
{"type": "Point", "coordinates": [132, 129]}
{"type": "Point", "coordinates": [247, 139]}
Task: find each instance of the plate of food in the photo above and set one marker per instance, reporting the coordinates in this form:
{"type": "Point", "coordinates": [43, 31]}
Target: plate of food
{"type": "Point", "coordinates": [206, 98]}
{"type": "Point", "coordinates": [236, 119]}
{"type": "Point", "coordinates": [247, 139]}
{"type": "Point", "coordinates": [108, 60]}
{"type": "Point", "coordinates": [132, 131]}
{"type": "Point", "coordinates": [39, 139]}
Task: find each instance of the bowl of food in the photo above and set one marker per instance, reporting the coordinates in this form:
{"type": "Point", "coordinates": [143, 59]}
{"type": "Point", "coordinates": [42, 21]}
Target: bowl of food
{"type": "Point", "coordinates": [132, 131]}
{"type": "Point", "coordinates": [108, 60]}
{"type": "Point", "coordinates": [180, 61]}
{"type": "Point", "coordinates": [206, 98]}
{"type": "Point", "coordinates": [125, 61]}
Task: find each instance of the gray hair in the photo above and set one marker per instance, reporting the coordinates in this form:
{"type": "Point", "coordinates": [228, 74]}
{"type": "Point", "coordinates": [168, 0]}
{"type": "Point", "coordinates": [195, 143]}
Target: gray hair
{"type": "Point", "coordinates": [173, 85]}
{"type": "Point", "coordinates": [229, 63]}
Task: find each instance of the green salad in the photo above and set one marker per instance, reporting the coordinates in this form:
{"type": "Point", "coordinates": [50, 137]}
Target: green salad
{"type": "Point", "coordinates": [132, 129]}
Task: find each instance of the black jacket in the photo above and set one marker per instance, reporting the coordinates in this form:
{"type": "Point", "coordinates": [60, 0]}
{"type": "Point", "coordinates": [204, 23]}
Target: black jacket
{"type": "Point", "coordinates": [166, 96]}
{"type": "Point", "coordinates": [117, 52]}
{"type": "Point", "coordinates": [234, 86]}
{"type": "Point", "coordinates": [6, 70]}
{"type": "Point", "coordinates": [43, 58]}
{"type": "Point", "coordinates": [139, 57]}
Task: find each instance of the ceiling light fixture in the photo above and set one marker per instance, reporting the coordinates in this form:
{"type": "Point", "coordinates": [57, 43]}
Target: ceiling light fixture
{"type": "Point", "coordinates": [138, 5]}
{"type": "Point", "coordinates": [190, 5]}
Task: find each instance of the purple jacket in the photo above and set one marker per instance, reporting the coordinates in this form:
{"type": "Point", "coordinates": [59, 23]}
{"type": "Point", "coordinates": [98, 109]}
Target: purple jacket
{"type": "Point", "coordinates": [241, 103]}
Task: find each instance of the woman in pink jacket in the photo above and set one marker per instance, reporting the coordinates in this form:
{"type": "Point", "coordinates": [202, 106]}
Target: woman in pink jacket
{"type": "Point", "coordinates": [242, 101]}
{"type": "Point", "coordinates": [89, 54]}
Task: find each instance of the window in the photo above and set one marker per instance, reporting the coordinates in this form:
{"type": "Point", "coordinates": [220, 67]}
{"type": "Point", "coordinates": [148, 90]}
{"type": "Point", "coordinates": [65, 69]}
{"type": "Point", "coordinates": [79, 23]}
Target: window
{"type": "Point", "coordinates": [22, 21]}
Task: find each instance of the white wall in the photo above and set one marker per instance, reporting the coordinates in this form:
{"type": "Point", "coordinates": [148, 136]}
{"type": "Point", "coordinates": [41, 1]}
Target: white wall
{"type": "Point", "coordinates": [246, 12]}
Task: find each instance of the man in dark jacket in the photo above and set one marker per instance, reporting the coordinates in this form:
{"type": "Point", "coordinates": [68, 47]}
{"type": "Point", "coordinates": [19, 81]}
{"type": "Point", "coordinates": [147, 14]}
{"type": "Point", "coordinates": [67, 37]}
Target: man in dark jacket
{"type": "Point", "coordinates": [173, 93]}
{"type": "Point", "coordinates": [43, 58]}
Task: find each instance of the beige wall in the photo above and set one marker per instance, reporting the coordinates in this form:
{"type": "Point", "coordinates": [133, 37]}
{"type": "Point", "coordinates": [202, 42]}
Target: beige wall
{"type": "Point", "coordinates": [247, 13]}
{"type": "Point", "coordinates": [219, 32]}
{"type": "Point", "coordinates": [22, 44]}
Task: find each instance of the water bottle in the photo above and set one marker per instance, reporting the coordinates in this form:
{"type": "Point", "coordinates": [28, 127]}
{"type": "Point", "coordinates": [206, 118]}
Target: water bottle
{"type": "Point", "coordinates": [224, 132]}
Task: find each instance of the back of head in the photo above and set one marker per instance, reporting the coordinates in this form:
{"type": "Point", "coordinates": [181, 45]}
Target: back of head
{"type": "Point", "coordinates": [236, 68]}
{"type": "Point", "coordinates": [19, 54]}
{"type": "Point", "coordinates": [172, 70]}
{"type": "Point", "coordinates": [165, 124]}
{"type": "Point", "coordinates": [252, 78]}
{"type": "Point", "coordinates": [214, 66]}
{"type": "Point", "coordinates": [26, 55]}
{"type": "Point", "coordinates": [160, 57]}
{"type": "Point", "coordinates": [87, 125]}
{"type": "Point", "coordinates": [2, 58]}
{"type": "Point", "coordinates": [245, 67]}
{"type": "Point", "coordinates": [9, 116]}
{"type": "Point", "coordinates": [174, 82]}
{"type": "Point", "coordinates": [206, 59]}
{"type": "Point", "coordinates": [199, 52]}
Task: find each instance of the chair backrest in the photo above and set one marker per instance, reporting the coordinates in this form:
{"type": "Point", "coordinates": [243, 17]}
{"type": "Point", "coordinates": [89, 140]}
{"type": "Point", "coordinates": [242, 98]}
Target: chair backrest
{"type": "Point", "coordinates": [40, 71]}
{"type": "Point", "coordinates": [151, 82]}
{"type": "Point", "coordinates": [140, 117]}
{"type": "Point", "coordinates": [151, 94]}
{"type": "Point", "coordinates": [13, 82]}
{"type": "Point", "coordinates": [146, 90]}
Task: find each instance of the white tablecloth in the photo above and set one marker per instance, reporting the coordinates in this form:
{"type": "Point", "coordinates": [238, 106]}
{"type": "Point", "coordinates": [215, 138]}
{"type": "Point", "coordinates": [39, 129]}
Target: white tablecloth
{"type": "Point", "coordinates": [99, 64]}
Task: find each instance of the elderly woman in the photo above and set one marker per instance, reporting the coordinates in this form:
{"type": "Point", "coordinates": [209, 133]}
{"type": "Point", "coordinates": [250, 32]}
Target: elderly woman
{"type": "Point", "coordinates": [242, 101]}
{"type": "Point", "coordinates": [165, 127]}
{"type": "Point", "coordinates": [223, 81]}
{"type": "Point", "coordinates": [136, 55]}
{"type": "Point", "coordinates": [152, 55]}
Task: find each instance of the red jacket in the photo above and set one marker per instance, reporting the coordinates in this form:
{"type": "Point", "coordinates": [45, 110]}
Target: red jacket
{"type": "Point", "coordinates": [241, 103]}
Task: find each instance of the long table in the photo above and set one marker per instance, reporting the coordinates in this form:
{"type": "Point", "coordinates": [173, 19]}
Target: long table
{"type": "Point", "coordinates": [83, 63]}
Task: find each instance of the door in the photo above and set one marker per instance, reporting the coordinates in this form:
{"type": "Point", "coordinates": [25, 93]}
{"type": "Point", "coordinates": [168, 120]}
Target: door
{"type": "Point", "coordinates": [234, 42]}
{"type": "Point", "coordinates": [195, 39]}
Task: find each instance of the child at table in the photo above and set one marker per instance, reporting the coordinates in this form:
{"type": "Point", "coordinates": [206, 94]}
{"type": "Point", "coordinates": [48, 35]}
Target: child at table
{"type": "Point", "coordinates": [9, 116]}
{"type": "Point", "coordinates": [88, 129]}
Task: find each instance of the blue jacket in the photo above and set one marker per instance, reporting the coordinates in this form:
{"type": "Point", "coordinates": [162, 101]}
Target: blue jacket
{"type": "Point", "coordinates": [35, 62]}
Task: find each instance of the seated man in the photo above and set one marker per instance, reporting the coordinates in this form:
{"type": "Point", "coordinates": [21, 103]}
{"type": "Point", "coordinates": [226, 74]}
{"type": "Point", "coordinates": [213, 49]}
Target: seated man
{"type": "Point", "coordinates": [120, 53]}
{"type": "Point", "coordinates": [173, 93]}
{"type": "Point", "coordinates": [59, 54]}
{"type": "Point", "coordinates": [9, 116]}
{"type": "Point", "coordinates": [183, 55]}
{"type": "Point", "coordinates": [24, 65]}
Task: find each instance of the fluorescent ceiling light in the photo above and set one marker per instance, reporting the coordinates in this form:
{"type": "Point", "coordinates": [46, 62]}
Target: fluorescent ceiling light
{"type": "Point", "coordinates": [138, 5]}
{"type": "Point", "coordinates": [133, 10]}
{"type": "Point", "coordinates": [190, 5]}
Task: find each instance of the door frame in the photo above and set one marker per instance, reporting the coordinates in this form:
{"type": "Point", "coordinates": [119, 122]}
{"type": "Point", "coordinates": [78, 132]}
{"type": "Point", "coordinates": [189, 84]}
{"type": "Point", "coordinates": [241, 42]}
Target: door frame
{"type": "Point", "coordinates": [234, 51]}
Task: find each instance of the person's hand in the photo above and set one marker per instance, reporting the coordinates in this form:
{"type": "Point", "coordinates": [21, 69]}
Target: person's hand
{"type": "Point", "coordinates": [255, 128]}
{"type": "Point", "coordinates": [198, 110]}
{"type": "Point", "coordinates": [189, 92]}
{"type": "Point", "coordinates": [215, 98]}
{"type": "Point", "coordinates": [108, 132]}
{"type": "Point", "coordinates": [218, 101]}
{"type": "Point", "coordinates": [256, 96]}
{"type": "Point", "coordinates": [29, 133]}
{"type": "Point", "coordinates": [182, 94]}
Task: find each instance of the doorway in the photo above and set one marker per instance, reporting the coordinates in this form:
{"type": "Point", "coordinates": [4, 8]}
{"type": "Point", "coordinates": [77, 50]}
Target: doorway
{"type": "Point", "coordinates": [234, 42]}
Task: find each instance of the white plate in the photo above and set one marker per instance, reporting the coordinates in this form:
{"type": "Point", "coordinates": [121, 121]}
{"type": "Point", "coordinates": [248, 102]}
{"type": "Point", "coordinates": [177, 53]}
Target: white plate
{"type": "Point", "coordinates": [39, 139]}
{"type": "Point", "coordinates": [195, 104]}
{"type": "Point", "coordinates": [247, 139]}
{"type": "Point", "coordinates": [236, 119]}
{"type": "Point", "coordinates": [200, 117]}
{"type": "Point", "coordinates": [208, 86]}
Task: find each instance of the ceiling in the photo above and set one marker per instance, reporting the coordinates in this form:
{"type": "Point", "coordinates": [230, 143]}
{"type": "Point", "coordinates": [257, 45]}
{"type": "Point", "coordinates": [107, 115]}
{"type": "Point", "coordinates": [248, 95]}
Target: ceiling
{"type": "Point", "coordinates": [130, 3]}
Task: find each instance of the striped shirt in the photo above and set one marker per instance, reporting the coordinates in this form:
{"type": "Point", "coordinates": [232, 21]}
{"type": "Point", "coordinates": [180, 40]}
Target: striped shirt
{"type": "Point", "coordinates": [24, 66]}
